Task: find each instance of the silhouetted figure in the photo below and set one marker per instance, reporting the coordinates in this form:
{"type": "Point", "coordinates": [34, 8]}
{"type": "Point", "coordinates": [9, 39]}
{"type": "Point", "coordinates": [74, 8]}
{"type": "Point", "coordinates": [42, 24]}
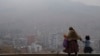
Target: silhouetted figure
{"type": "Point", "coordinates": [72, 45]}
{"type": "Point", "coordinates": [87, 47]}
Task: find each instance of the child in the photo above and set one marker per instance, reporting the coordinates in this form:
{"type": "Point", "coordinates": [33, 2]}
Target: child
{"type": "Point", "coordinates": [65, 43]}
{"type": "Point", "coordinates": [87, 48]}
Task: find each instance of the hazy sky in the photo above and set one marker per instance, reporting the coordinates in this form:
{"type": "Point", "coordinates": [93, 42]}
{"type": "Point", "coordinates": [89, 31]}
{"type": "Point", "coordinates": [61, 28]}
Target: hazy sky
{"type": "Point", "coordinates": [89, 2]}
{"type": "Point", "coordinates": [32, 9]}
{"type": "Point", "coordinates": [50, 14]}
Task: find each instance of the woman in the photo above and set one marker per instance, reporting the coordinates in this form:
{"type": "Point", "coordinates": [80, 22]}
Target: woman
{"type": "Point", "coordinates": [72, 45]}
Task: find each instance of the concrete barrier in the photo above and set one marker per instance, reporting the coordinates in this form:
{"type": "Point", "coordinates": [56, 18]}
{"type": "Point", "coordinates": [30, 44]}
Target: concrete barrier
{"type": "Point", "coordinates": [47, 55]}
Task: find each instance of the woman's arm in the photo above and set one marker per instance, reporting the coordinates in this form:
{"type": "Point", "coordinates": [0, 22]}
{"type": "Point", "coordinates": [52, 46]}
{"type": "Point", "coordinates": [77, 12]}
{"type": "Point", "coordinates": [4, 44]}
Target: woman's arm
{"type": "Point", "coordinates": [79, 38]}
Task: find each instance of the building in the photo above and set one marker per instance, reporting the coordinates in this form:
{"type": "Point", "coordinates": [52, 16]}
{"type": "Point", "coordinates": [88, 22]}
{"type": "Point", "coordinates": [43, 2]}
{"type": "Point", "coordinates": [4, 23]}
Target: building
{"type": "Point", "coordinates": [35, 48]}
{"type": "Point", "coordinates": [30, 39]}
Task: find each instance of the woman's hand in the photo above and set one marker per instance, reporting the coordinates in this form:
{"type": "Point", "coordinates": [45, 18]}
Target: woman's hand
{"type": "Point", "coordinates": [80, 39]}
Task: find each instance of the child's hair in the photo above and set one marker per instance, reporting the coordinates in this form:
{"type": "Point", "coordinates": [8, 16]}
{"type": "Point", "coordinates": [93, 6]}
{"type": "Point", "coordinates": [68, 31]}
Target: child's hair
{"type": "Point", "coordinates": [87, 37]}
{"type": "Point", "coordinates": [65, 36]}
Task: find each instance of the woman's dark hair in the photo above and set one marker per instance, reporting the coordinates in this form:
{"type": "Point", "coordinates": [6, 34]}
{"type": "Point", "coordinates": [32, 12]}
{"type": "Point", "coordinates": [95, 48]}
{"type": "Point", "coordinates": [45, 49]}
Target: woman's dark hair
{"type": "Point", "coordinates": [87, 37]}
{"type": "Point", "coordinates": [71, 28]}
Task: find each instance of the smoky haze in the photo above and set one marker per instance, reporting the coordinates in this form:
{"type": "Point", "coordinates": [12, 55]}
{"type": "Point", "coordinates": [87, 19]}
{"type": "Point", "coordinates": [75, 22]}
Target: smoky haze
{"type": "Point", "coordinates": [49, 16]}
